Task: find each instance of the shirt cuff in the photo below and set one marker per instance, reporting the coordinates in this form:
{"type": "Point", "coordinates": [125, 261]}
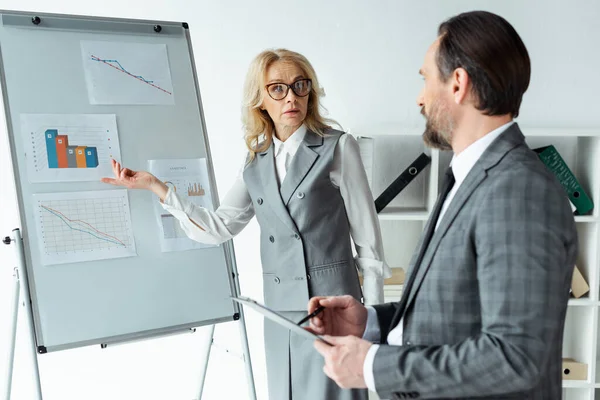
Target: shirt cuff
{"type": "Point", "coordinates": [373, 290]}
{"type": "Point", "coordinates": [368, 367]}
{"type": "Point", "coordinates": [373, 267]}
{"type": "Point", "coordinates": [181, 209]}
{"type": "Point", "coordinates": [372, 331]}
{"type": "Point", "coordinates": [373, 272]}
{"type": "Point", "coordinates": [172, 201]}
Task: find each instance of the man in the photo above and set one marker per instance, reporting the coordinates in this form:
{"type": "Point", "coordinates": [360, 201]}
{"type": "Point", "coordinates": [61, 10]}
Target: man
{"type": "Point", "coordinates": [483, 308]}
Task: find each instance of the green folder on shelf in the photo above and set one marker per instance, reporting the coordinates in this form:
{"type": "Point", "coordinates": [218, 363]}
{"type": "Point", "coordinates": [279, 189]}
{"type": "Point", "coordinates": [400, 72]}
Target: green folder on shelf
{"type": "Point", "coordinates": [550, 156]}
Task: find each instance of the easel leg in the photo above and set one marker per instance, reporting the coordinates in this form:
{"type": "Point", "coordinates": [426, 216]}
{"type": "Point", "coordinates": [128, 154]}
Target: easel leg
{"type": "Point", "coordinates": [205, 356]}
{"type": "Point", "coordinates": [13, 333]}
{"type": "Point", "coordinates": [247, 361]}
{"type": "Point", "coordinates": [22, 278]}
{"type": "Point", "coordinates": [243, 337]}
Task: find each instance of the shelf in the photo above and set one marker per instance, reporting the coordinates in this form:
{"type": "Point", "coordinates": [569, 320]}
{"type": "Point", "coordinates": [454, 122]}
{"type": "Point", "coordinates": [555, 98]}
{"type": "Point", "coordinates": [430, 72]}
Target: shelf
{"type": "Point", "coordinates": [577, 384]}
{"type": "Point", "coordinates": [586, 218]}
{"type": "Point", "coordinates": [387, 130]}
{"type": "Point", "coordinates": [395, 130]}
{"type": "Point", "coordinates": [571, 132]}
{"type": "Point", "coordinates": [395, 214]}
{"type": "Point", "coordinates": [582, 302]}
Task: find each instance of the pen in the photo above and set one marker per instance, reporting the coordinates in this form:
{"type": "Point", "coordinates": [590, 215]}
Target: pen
{"type": "Point", "coordinates": [312, 314]}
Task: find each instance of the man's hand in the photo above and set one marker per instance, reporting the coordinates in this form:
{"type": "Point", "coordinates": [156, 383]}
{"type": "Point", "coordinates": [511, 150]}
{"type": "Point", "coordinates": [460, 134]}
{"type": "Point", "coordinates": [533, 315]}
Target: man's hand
{"type": "Point", "coordinates": [343, 316]}
{"type": "Point", "coordinates": [344, 360]}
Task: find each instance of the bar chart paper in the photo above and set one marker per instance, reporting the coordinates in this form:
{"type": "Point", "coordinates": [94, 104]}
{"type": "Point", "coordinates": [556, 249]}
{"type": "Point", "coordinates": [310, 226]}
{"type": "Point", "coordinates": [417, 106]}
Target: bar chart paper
{"type": "Point", "coordinates": [69, 147]}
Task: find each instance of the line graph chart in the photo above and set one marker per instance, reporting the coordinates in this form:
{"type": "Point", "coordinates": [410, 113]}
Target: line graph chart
{"type": "Point", "coordinates": [117, 65]}
{"type": "Point", "coordinates": [127, 73]}
{"type": "Point", "coordinates": [83, 226]}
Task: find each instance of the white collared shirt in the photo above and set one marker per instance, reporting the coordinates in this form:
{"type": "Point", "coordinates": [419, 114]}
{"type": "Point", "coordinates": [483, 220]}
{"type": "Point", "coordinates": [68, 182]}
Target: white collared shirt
{"type": "Point", "coordinates": [347, 173]}
{"type": "Point", "coordinates": [462, 164]}
{"type": "Point", "coordinates": [285, 151]}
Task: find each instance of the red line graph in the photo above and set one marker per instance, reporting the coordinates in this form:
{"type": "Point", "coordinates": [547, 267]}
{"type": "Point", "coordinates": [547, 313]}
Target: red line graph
{"type": "Point", "coordinates": [123, 70]}
{"type": "Point", "coordinates": [81, 222]}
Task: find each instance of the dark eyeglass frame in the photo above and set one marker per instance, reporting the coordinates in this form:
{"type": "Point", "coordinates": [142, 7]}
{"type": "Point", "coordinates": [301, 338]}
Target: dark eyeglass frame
{"type": "Point", "coordinates": [288, 87]}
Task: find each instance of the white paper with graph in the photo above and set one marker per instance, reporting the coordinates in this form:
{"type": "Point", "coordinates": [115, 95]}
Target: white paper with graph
{"type": "Point", "coordinates": [83, 226]}
{"type": "Point", "coordinates": [189, 179]}
{"type": "Point", "coordinates": [127, 73]}
{"type": "Point", "coordinates": [69, 147]}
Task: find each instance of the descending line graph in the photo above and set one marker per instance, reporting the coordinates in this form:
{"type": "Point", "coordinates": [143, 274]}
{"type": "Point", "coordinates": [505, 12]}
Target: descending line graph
{"type": "Point", "coordinates": [127, 73]}
{"type": "Point", "coordinates": [84, 226]}
{"type": "Point", "coordinates": [117, 65]}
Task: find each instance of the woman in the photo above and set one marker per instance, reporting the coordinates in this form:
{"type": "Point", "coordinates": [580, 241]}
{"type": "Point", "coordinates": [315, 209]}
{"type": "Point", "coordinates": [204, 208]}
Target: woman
{"type": "Point", "coordinates": [305, 183]}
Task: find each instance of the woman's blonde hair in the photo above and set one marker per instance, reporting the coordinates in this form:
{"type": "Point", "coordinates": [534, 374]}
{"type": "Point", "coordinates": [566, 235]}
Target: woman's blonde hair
{"type": "Point", "coordinates": [257, 122]}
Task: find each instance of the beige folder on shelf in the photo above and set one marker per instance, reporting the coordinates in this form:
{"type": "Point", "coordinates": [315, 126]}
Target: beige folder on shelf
{"type": "Point", "coordinates": [579, 286]}
{"type": "Point", "coordinates": [397, 277]}
{"type": "Point", "coordinates": [573, 370]}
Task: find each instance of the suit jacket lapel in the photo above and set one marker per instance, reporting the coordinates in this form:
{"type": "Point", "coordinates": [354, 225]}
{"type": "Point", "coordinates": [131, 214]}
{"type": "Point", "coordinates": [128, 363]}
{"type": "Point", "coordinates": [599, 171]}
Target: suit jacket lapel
{"type": "Point", "coordinates": [509, 139]}
{"type": "Point", "coordinates": [467, 188]}
{"type": "Point", "coordinates": [269, 180]}
{"type": "Point", "coordinates": [301, 164]}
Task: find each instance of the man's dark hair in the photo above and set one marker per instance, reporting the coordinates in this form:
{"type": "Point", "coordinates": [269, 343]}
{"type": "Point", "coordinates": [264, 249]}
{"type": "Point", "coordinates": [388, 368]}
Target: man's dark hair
{"type": "Point", "coordinates": [494, 56]}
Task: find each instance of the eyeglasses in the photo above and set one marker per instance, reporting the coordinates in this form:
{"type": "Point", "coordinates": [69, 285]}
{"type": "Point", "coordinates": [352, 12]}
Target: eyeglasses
{"type": "Point", "coordinates": [278, 91]}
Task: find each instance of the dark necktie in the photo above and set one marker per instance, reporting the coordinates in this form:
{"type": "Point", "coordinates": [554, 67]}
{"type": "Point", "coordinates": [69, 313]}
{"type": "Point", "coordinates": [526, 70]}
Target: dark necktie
{"type": "Point", "coordinates": [435, 214]}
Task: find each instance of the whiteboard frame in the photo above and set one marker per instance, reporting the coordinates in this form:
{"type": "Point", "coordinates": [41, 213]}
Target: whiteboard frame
{"type": "Point", "coordinates": [18, 18]}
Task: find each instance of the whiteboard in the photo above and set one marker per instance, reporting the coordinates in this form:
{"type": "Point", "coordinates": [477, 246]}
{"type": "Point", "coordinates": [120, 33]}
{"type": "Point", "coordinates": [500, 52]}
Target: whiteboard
{"type": "Point", "coordinates": [144, 291]}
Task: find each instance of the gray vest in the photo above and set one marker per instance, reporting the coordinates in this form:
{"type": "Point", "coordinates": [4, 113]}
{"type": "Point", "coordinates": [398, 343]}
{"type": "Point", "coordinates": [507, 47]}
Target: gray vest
{"type": "Point", "coordinates": [304, 231]}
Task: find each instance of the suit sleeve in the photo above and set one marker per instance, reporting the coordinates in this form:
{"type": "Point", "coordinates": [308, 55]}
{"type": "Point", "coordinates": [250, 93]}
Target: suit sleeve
{"type": "Point", "coordinates": [526, 245]}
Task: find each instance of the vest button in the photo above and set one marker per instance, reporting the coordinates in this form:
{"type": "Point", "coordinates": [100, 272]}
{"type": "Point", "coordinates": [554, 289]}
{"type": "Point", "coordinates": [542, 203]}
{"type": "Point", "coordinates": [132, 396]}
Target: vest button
{"type": "Point", "coordinates": [259, 201]}
{"type": "Point", "coordinates": [276, 280]}
{"type": "Point", "coordinates": [272, 239]}
{"type": "Point", "coordinates": [300, 195]}
{"type": "Point", "coordinates": [297, 236]}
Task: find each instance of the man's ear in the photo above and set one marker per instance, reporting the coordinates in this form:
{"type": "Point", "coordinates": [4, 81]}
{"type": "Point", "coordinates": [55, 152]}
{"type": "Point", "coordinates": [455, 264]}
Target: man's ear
{"type": "Point", "coordinates": [461, 84]}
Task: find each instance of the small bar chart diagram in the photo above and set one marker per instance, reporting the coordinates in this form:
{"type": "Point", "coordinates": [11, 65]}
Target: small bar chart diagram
{"type": "Point", "coordinates": [61, 155]}
{"type": "Point", "coordinates": [83, 226]}
{"type": "Point", "coordinates": [67, 148]}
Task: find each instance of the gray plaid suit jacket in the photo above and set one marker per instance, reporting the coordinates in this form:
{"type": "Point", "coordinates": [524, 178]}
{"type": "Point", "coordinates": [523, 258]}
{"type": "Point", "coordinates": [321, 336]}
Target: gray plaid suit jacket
{"type": "Point", "coordinates": [486, 313]}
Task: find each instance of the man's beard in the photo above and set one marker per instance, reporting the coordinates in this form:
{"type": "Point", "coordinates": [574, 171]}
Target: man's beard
{"type": "Point", "coordinates": [439, 126]}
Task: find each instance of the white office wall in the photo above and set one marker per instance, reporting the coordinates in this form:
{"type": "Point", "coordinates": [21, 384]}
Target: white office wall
{"type": "Point", "coordinates": [367, 54]}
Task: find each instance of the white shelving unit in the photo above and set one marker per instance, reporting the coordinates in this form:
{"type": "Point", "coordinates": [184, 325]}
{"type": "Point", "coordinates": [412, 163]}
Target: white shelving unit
{"type": "Point", "coordinates": [404, 218]}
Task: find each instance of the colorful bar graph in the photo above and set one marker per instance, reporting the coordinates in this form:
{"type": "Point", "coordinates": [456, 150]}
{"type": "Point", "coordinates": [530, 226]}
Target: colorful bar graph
{"type": "Point", "coordinates": [63, 155]}
{"type": "Point", "coordinates": [62, 141]}
{"type": "Point", "coordinates": [51, 147]}
{"type": "Point", "coordinates": [91, 157]}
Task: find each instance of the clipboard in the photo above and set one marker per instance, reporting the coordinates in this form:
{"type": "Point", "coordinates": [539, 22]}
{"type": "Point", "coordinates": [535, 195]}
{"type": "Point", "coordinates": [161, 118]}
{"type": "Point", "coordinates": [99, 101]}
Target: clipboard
{"type": "Point", "coordinates": [278, 318]}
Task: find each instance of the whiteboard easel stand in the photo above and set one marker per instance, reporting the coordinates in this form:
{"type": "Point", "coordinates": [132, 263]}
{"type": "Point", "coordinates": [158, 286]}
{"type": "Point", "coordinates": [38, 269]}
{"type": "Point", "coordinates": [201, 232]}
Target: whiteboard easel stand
{"type": "Point", "coordinates": [243, 335]}
{"type": "Point", "coordinates": [20, 286]}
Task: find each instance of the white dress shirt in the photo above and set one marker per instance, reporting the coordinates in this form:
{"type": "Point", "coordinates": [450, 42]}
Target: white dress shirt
{"type": "Point", "coordinates": [462, 164]}
{"type": "Point", "coordinates": [347, 173]}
